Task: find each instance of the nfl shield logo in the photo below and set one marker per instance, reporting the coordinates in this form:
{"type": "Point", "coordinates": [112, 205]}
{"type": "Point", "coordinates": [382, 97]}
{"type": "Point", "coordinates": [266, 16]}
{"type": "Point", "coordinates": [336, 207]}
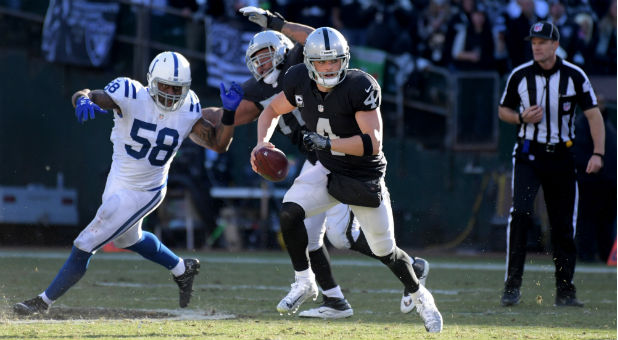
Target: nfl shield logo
{"type": "Point", "coordinates": [538, 27]}
{"type": "Point", "coordinates": [320, 107]}
{"type": "Point", "coordinates": [566, 106]}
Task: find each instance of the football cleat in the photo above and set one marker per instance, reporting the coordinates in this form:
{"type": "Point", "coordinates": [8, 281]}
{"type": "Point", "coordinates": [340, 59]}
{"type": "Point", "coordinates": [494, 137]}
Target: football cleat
{"type": "Point", "coordinates": [510, 297]}
{"type": "Point", "coordinates": [31, 307]}
{"type": "Point", "coordinates": [331, 308]}
{"type": "Point", "coordinates": [301, 290]}
{"type": "Point", "coordinates": [568, 301]}
{"type": "Point", "coordinates": [185, 281]}
{"type": "Point", "coordinates": [421, 270]}
{"type": "Point", "coordinates": [426, 308]}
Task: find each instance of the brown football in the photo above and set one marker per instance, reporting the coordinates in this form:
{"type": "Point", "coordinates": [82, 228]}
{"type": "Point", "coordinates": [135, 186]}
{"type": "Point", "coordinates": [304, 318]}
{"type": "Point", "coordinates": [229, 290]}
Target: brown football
{"type": "Point", "coordinates": [272, 164]}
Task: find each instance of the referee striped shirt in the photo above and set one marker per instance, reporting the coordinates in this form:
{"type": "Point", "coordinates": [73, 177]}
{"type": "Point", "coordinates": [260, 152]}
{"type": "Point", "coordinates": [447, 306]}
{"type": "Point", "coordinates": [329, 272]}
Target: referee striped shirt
{"type": "Point", "coordinates": [557, 90]}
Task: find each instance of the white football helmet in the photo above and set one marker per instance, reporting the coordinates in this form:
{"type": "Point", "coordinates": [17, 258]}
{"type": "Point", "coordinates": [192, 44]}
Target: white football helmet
{"type": "Point", "coordinates": [169, 68]}
{"type": "Point", "coordinates": [326, 43]}
{"type": "Point", "coordinates": [277, 44]}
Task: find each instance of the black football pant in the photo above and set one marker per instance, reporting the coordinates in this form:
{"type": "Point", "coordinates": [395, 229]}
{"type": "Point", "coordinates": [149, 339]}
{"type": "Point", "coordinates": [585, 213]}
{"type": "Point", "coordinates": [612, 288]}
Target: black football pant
{"type": "Point", "coordinates": [556, 173]}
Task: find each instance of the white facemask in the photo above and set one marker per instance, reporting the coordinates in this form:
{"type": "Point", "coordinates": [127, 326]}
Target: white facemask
{"type": "Point", "coordinates": [272, 77]}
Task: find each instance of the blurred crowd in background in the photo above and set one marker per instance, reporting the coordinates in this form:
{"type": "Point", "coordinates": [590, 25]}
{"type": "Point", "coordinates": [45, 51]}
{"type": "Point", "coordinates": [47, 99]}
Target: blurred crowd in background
{"type": "Point", "coordinates": [458, 34]}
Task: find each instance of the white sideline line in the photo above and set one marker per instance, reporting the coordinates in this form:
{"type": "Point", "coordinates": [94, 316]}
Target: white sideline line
{"type": "Point", "coordinates": [185, 314]}
{"type": "Point", "coordinates": [251, 259]}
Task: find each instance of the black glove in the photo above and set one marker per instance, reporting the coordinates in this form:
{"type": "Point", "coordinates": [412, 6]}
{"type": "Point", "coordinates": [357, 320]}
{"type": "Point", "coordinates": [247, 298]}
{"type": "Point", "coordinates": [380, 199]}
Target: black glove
{"type": "Point", "coordinates": [313, 142]}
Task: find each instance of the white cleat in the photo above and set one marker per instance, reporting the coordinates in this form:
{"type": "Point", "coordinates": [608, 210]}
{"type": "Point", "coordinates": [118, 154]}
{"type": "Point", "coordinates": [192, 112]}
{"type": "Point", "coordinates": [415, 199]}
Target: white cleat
{"type": "Point", "coordinates": [426, 308]}
{"type": "Point", "coordinates": [301, 290]}
{"type": "Point", "coordinates": [421, 269]}
{"type": "Point", "coordinates": [331, 308]}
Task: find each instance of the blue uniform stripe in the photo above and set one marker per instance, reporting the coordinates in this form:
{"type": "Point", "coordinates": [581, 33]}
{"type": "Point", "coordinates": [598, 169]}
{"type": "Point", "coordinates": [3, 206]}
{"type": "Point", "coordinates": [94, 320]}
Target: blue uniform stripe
{"type": "Point", "coordinates": [199, 108]}
{"type": "Point", "coordinates": [126, 88]}
{"type": "Point", "coordinates": [134, 91]}
{"type": "Point", "coordinates": [326, 40]}
{"type": "Point", "coordinates": [153, 65]}
{"type": "Point", "coordinates": [191, 107]}
{"type": "Point", "coordinates": [175, 64]}
{"type": "Point", "coordinates": [133, 219]}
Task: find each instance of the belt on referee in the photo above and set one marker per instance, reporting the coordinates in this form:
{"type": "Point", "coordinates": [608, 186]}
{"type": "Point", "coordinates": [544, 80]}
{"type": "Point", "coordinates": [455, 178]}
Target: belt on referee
{"type": "Point", "coordinates": [543, 147]}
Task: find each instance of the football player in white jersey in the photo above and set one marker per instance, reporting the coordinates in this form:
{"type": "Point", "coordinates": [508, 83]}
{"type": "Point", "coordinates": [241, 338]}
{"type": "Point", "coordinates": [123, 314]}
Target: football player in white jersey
{"type": "Point", "coordinates": [150, 124]}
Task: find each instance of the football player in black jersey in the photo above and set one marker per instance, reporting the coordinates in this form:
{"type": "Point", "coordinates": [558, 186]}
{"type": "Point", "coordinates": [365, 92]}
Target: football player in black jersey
{"type": "Point", "coordinates": [269, 55]}
{"type": "Point", "coordinates": [340, 108]}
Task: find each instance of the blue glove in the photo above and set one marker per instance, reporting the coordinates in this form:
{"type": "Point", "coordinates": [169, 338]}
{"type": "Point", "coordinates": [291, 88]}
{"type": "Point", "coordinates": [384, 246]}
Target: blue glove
{"type": "Point", "coordinates": [232, 97]}
{"type": "Point", "coordinates": [85, 107]}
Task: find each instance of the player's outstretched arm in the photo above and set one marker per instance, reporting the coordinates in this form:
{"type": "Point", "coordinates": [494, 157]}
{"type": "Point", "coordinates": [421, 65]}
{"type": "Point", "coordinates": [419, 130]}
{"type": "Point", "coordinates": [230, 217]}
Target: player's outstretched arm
{"type": "Point", "coordinates": [87, 103]}
{"type": "Point", "coordinates": [99, 97]}
{"type": "Point", "coordinates": [274, 21]}
{"type": "Point", "coordinates": [204, 131]}
{"type": "Point", "coordinates": [208, 132]}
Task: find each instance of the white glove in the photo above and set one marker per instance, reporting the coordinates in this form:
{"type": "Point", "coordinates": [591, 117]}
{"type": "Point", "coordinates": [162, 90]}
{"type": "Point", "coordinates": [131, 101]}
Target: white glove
{"type": "Point", "coordinates": [264, 18]}
{"type": "Point", "coordinates": [256, 15]}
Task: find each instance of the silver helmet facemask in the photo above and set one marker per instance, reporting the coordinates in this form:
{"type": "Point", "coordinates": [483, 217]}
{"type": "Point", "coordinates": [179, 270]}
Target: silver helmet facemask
{"type": "Point", "coordinates": [323, 44]}
{"type": "Point", "coordinates": [277, 44]}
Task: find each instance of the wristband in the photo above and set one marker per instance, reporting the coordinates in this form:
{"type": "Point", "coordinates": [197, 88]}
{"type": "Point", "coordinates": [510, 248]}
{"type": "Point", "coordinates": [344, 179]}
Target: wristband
{"type": "Point", "coordinates": [367, 145]}
{"type": "Point", "coordinates": [228, 117]}
{"type": "Point", "coordinates": [275, 22]}
{"type": "Point", "coordinates": [600, 155]}
{"type": "Point", "coordinates": [521, 119]}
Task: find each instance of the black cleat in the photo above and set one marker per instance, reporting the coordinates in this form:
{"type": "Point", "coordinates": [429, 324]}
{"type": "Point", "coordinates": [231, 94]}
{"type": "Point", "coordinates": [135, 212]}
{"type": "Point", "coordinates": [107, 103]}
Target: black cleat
{"type": "Point", "coordinates": [421, 269]}
{"type": "Point", "coordinates": [510, 297]}
{"type": "Point", "coordinates": [568, 301]}
{"type": "Point", "coordinates": [31, 307]}
{"type": "Point", "coordinates": [185, 281]}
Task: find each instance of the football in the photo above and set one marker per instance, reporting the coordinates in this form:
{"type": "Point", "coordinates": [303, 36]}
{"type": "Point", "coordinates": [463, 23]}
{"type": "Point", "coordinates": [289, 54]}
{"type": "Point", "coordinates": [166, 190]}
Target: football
{"type": "Point", "coordinates": [272, 164]}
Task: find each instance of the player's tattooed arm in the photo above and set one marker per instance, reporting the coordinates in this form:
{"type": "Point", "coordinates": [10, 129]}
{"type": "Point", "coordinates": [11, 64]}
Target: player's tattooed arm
{"type": "Point", "coordinates": [204, 134]}
{"type": "Point", "coordinates": [209, 133]}
{"type": "Point", "coordinates": [99, 97]}
{"type": "Point", "coordinates": [297, 32]}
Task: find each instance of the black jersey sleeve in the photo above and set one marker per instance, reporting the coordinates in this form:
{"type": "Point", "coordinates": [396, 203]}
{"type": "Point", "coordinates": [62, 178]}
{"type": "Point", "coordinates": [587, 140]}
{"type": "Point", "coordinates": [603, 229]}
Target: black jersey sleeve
{"type": "Point", "coordinates": [252, 92]}
{"type": "Point", "coordinates": [291, 80]}
{"type": "Point", "coordinates": [365, 94]}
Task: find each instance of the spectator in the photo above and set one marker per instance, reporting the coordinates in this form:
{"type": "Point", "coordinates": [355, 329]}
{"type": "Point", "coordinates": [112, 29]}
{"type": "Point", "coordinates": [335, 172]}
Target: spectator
{"type": "Point", "coordinates": [352, 17]}
{"type": "Point", "coordinates": [390, 31]}
{"type": "Point", "coordinates": [596, 218]}
{"type": "Point", "coordinates": [314, 13]}
{"type": "Point", "coordinates": [605, 50]}
{"type": "Point", "coordinates": [567, 27]}
{"type": "Point", "coordinates": [193, 18]}
{"type": "Point", "coordinates": [473, 46]}
{"type": "Point", "coordinates": [586, 41]}
{"type": "Point", "coordinates": [431, 29]}
{"type": "Point", "coordinates": [517, 30]}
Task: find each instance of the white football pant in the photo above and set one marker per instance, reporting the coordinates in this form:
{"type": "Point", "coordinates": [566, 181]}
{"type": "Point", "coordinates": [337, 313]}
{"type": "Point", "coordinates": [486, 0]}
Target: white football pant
{"type": "Point", "coordinates": [119, 218]}
{"type": "Point", "coordinates": [310, 192]}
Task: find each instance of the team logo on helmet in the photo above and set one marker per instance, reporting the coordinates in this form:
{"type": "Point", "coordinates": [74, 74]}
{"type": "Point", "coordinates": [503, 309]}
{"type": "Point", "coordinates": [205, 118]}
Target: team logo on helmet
{"type": "Point", "coordinates": [538, 27]}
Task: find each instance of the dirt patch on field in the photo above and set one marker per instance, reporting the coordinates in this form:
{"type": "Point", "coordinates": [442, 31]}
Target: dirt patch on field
{"type": "Point", "coordinates": [68, 313]}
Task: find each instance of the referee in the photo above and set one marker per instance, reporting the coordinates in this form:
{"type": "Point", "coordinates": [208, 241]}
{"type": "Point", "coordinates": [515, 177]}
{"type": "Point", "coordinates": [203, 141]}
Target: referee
{"type": "Point", "coordinates": [540, 98]}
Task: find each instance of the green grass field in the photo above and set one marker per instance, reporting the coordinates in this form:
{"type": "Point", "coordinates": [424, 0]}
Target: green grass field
{"type": "Point", "coordinates": [123, 296]}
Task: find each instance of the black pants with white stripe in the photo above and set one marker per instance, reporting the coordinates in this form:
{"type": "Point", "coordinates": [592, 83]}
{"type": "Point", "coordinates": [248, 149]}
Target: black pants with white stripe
{"type": "Point", "coordinates": [556, 173]}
